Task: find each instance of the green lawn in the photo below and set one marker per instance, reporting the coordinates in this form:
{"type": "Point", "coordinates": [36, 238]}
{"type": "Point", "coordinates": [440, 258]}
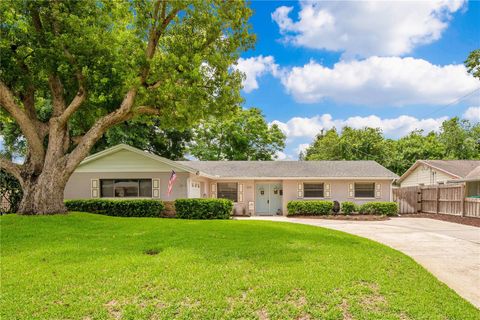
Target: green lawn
{"type": "Point", "coordinates": [84, 266]}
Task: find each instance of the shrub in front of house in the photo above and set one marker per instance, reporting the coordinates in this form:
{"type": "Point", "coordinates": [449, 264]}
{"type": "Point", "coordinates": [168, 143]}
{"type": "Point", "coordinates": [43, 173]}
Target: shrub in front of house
{"type": "Point", "coordinates": [169, 210]}
{"type": "Point", "coordinates": [118, 208]}
{"type": "Point", "coordinates": [203, 208]}
{"type": "Point", "coordinates": [349, 207]}
{"type": "Point", "coordinates": [381, 208]}
{"type": "Point", "coordinates": [309, 207]}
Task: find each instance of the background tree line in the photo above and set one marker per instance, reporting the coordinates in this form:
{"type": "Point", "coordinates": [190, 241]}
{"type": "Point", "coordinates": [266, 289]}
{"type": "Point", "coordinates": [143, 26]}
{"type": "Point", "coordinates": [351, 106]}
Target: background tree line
{"type": "Point", "coordinates": [456, 139]}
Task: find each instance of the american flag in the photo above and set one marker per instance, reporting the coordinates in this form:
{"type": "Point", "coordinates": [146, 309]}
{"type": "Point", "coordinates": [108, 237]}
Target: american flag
{"type": "Point", "coordinates": [172, 179]}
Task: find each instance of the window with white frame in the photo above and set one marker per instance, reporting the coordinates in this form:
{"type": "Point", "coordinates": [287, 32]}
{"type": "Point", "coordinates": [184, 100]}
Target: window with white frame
{"type": "Point", "coordinates": [126, 188]}
{"type": "Point", "coordinates": [364, 189]}
{"type": "Point", "coordinates": [313, 190]}
{"type": "Point", "coordinates": [227, 190]}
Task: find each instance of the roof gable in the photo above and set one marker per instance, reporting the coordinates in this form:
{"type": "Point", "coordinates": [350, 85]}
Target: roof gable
{"type": "Point", "coordinates": [124, 158]}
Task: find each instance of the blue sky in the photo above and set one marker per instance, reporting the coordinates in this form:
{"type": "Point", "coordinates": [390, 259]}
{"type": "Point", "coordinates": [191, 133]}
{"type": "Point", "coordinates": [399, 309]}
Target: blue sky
{"type": "Point", "coordinates": [398, 66]}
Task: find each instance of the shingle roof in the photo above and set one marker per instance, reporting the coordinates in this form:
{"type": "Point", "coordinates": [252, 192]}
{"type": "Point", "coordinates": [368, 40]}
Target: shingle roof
{"type": "Point", "coordinates": [474, 174]}
{"type": "Point", "coordinates": [270, 169]}
{"type": "Point", "coordinates": [459, 168]}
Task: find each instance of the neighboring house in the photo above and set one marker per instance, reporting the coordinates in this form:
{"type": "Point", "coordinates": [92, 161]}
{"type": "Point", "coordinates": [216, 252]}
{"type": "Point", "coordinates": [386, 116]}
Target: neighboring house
{"type": "Point", "coordinates": [431, 172]}
{"type": "Point", "coordinates": [472, 183]}
{"type": "Point", "coordinates": [256, 187]}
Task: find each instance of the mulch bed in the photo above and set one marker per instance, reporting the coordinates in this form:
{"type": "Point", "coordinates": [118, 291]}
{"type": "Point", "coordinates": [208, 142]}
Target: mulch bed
{"type": "Point", "coordinates": [469, 221]}
{"type": "Point", "coordinates": [354, 217]}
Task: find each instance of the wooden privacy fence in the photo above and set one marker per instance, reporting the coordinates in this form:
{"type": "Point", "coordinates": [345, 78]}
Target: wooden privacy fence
{"type": "Point", "coordinates": [441, 199]}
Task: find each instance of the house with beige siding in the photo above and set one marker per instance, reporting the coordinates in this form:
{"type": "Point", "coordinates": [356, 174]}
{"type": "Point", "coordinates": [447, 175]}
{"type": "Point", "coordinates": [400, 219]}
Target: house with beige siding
{"type": "Point", "coordinates": [255, 187]}
{"type": "Point", "coordinates": [432, 172]}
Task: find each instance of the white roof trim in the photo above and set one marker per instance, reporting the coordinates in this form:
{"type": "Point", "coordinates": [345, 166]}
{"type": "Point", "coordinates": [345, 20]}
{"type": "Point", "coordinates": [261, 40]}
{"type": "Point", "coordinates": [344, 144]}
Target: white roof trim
{"type": "Point", "coordinates": [303, 178]}
{"type": "Point", "coordinates": [123, 146]}
{"type": "Point", "coordinates": [417, 163]}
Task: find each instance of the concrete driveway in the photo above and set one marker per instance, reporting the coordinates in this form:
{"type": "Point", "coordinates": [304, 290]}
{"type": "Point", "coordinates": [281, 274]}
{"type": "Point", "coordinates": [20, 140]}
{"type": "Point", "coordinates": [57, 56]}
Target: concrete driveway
{"type": "Point", "coordinates": [450, 251]}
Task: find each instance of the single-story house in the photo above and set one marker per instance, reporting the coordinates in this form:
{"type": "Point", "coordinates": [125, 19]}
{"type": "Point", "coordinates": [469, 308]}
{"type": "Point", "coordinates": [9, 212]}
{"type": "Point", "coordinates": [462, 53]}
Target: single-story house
{"type": "Point", "coordinates": [432, 172]}
{"type": "Point", "coordinates": [255, 187]}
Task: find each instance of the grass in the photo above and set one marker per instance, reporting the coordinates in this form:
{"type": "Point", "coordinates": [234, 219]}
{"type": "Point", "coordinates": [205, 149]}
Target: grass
{"type": "Point", "coordinates": [85, 266]}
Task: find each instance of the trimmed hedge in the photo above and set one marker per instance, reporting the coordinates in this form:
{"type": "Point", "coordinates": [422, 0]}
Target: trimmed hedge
{"type": "Point", "coordinates": [349, 207]}
{"type": "Point", "coordinates": [309, 207]}
{"type": "Point", "coordinates": [380, 208]}
{"type": "Point", "coordinates": [118, 208]}
{"type": "Point", "coordinates": [203, 208]}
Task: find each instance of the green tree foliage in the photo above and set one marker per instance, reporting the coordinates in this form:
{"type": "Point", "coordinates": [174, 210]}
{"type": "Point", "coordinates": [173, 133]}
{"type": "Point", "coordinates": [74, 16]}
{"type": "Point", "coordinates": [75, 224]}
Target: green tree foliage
{"type": "Point", "coordinates": [71, 70]}
{"type": "Point", "coordinates": [10, 192]}
{"type": "Point", "coordinates": [457, 139]}
{"type": "Point", "coordinates": [148, 135]}
{"type": "Point", "coordinates": [473, 63]}
{"type": "Point", "coordinates": [460, 138]}
{"type": "Point", "coordinates": [412, 147]}
{"type": "Point", "coordinates": [350, 144]}
{"type": "Point", "coordinates": [243, 136]}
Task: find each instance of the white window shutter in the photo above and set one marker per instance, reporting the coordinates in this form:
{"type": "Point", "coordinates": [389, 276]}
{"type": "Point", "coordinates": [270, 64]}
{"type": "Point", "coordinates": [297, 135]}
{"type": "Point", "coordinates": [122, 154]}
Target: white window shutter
{"type": "Point", "coordinates": [95, 188]}
{"type": "Point", "coordinates": [350, 190]}
{"type": "Point", "coordinates": [213, 189]}
{"type": "Point", "coordinates": [378, 190]}
{"type": "Point", "coordinates": [300, 190]}
{"type": "Point", "coordinates": [240, 192]}
{"type": "Point", "coordinates": [327, 190]}
{"type": "Point", "coordinates": [155, 188]}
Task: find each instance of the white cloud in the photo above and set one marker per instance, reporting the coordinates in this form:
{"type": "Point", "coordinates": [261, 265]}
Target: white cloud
{"type": "Point", "coordinates": [280, 155]}
{"type": "Point", "coordinates": [389, 81]}
{"type": "Point", "coordinates": [301, 148]}
{"type": "Point", "coordinates": [254, 68]}
{"type": "Point", "coordinates": [472, 114]}
{"type": "Point", "coordinates": [365, 28]}
{"type": "Point", "coordinates": [299, 127]}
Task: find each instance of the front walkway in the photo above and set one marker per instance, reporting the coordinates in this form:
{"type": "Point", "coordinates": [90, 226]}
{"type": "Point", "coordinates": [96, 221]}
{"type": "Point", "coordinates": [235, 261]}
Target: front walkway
{"type": "Point", "coordinates": [450, 251]}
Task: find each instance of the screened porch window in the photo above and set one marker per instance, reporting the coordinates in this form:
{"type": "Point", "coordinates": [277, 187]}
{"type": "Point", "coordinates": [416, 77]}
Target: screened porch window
{"type": "Point", "coordinates": [227, 190]}
{"type": "Point", "coordinates": [313, 190]}
{"type": "Point", "coordinates": [126, 188]}
{"type": "Point", "coordinates": [365, 190]}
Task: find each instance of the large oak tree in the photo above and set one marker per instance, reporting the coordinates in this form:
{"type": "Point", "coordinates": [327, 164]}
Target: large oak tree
{"type": "Point", "coordinates": [70, 70]}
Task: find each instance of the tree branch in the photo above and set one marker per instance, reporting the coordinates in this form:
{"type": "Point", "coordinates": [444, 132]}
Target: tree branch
{"type": "Point", "coordinates": [28, 99]}
{"type": "Point", "coordinates": [56, 87]}
{"type": "Point", "coordinates": [146, 110]}
{"type": "Point", "coordinates": [77, 102]}
{"type": "Point", "coordinates": [124, 112]}
{"type": "Point", "coordinates": [155, 34]}
{"type": "Point", "coordinates": [86, 142]}
{"type": "Point", "coordinates": [27, 125]}
{"type": "Point", "coordinates": [12, 168]}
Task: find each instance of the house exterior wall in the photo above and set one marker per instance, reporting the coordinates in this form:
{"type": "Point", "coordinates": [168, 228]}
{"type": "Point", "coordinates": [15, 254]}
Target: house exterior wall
{"type": "Point", "coordinates": [339, 190]}
{"type": "Point", "coordinates": [79, 184]}
{"type": "Point", "coordinates": [425, 175]}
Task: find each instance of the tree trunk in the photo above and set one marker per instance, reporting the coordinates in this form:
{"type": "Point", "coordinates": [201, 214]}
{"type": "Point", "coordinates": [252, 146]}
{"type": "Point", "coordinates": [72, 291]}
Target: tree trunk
{"type": "Point", "coordinates": [43, 194]}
